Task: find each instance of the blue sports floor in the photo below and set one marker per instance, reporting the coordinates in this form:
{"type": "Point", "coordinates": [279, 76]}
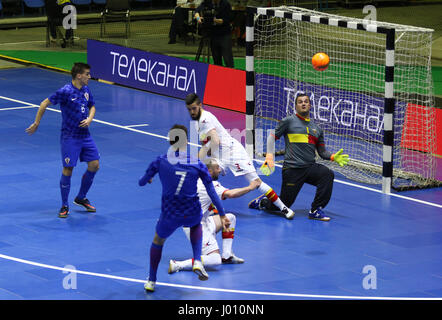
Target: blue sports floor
{"type": "Point", "coordinates": [392, 243]}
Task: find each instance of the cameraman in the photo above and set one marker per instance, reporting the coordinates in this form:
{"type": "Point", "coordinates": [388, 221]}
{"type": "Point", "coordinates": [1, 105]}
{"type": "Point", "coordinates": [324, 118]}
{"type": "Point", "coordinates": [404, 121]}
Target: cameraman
{"type": "Point", "coordinates": [180, 25]}
{"type": "Point", "coordinates": [215, 15]}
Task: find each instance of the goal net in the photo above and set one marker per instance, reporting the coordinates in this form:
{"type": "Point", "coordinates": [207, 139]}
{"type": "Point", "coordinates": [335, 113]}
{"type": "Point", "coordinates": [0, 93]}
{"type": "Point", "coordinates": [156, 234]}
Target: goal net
{"type": "Point", "coordinates": [375, 100]}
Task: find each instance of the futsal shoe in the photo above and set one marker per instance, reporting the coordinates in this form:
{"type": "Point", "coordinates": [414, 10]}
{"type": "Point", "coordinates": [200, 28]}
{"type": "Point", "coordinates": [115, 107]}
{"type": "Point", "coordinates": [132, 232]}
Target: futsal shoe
{"type": "Point", "coordinates": [149, 286]}
{"type": "Point", "coordinates": [198, 268]}
{"type": "Point", "coordinates": [266, 204]}
{"type": "Point", "coordinates": [64, 212]}
{"type": "Point", "coordinates": [85, 204]}
{"type": "Point", "coordinates": [255, 203]}
{"type": "Point", "coordinates": [173, 267]}
{"type": "Point", "coordinates": [232, 260]}
{"type": "Point", "coordinates": [288, 213]}
{"type": "Point", "coordinates": [318, 214]}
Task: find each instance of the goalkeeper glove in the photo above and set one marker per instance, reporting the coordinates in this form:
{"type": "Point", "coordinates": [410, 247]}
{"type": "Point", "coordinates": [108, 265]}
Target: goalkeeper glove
{"type": "Point", "coordinates": [339, 158]}
{"type": "Point", "coordinates": [268, 167]}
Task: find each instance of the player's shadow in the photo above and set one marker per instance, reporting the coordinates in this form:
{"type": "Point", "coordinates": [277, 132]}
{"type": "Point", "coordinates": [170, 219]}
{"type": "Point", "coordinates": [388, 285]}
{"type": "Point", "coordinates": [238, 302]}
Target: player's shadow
{"type": "Point", "coordinates": [303, 213]}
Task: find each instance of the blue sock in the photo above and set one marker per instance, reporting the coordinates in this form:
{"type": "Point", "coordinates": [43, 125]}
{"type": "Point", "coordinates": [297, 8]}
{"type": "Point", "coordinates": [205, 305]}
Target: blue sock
{"type": "Point", "coordinates": [196, 239]}
{"type": "Point", "coordinates": [65, 187]}
{"type": "Point", "coordinates": [86, 183]}
{"type": "Point", "coordinates": [155, 257]}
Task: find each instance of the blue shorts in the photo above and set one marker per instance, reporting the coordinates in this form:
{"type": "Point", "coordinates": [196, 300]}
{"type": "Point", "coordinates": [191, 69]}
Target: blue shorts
{"type": "Point", "coordinates": [73, 149]}
{"type": "Point", "coordinates": [166, 225]}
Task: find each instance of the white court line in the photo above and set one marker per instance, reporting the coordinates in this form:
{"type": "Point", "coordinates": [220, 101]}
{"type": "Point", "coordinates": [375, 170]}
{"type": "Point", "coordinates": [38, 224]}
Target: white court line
{"type": "Point", "coordinates": [16, 108]}
{"type": "Point", "coordinates": [95, 120]}
{"type": "Point", "coordinates": [256, 160]}
{"type": "Point", "coordinates": [208, 288]}
{"type": "Point", "coordinates": [280, 294]}
{"type": "Point", "coordinates": [137, 125]}
{"type": "Point", "coordinates": [25, 42]}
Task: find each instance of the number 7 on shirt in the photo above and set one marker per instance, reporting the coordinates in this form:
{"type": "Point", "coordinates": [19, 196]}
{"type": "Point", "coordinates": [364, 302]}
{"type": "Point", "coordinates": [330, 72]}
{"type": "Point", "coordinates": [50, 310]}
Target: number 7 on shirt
{"type": "Point", "coordinates": [180, 184]}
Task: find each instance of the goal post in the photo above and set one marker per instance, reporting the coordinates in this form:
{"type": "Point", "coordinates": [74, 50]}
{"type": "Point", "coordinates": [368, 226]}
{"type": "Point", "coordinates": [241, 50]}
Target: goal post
{"type": "Point", "coordinates": [375, 100]}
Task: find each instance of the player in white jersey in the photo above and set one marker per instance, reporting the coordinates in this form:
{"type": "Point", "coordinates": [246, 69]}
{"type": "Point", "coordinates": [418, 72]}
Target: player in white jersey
{"type": "Point", "coordinates": [229, 152]}
{"type": "Point", "coordinates": [211, 223]}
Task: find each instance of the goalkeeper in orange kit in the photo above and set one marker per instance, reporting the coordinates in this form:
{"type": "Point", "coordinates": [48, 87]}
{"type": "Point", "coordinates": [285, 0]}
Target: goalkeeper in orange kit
{"type": "Point", "coordinates": [302, 139]}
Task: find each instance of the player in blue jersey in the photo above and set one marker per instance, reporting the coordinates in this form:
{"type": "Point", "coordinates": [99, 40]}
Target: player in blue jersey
{"type": "Point", "coordinates": [77, 107]}
{"type": "Point", "coordinates": [180, 205]}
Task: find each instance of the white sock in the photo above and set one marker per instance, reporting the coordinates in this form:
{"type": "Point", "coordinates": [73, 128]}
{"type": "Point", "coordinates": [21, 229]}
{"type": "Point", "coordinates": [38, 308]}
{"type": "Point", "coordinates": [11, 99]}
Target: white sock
{"type": "Point", "coordinates": [271, 195]}
{"type": "Point", "coordinates": [211, 260]}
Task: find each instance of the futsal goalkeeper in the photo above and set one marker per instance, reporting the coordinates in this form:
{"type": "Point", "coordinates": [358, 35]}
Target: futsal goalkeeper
{"type": "Point", "coordinates": [302, 138]}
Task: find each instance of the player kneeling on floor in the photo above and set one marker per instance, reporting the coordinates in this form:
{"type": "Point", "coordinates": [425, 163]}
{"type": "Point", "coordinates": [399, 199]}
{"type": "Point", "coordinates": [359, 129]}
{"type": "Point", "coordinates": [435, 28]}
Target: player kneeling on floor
{"type": "Point", "coordinates": [211, 224]}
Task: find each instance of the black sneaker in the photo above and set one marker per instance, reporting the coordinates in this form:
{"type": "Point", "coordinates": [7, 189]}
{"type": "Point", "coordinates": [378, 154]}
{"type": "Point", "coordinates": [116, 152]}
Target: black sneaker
{"type": "Point", "coordinates": [64, 211]}
{"type": "Point", "coordinates": [85, 204]}
{"type": "Point", "coordinates": [232, 260]}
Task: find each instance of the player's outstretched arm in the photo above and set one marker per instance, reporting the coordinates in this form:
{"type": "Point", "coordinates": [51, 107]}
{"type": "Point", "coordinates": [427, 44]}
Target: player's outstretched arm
{"type": "Point", "coordinates": [338, 157]}
{"type": "Point", "coordinates": [151, 171]}
{"type": "Point", "coordinates": [238, 192]}
{"type": "Point", "coordinates": [41, 110]}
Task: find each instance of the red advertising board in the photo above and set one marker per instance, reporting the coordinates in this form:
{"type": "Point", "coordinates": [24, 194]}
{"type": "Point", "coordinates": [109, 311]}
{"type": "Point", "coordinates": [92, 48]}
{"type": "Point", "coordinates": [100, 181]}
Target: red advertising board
{"type": "Point", "coordinates": [226, 88]}
{"type": "Point", "coordinates": [414, 133]}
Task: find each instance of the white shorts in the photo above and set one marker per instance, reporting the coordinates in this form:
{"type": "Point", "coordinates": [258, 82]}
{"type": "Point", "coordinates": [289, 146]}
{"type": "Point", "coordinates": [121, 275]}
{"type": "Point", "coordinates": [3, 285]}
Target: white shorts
{"type": "Point", "coordinates": [237, 160]}
{"type": "Point", "coordinates": [209, 235]}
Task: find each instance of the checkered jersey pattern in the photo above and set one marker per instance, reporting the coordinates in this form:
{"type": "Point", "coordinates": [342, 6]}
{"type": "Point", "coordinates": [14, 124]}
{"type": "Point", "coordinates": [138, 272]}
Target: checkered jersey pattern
{"type": "Point", "coordinates": [179, 175]}
{"type": "Point", "coordinates": [180, 207]}
{"type": "Point", "coordinates": [74, 106]}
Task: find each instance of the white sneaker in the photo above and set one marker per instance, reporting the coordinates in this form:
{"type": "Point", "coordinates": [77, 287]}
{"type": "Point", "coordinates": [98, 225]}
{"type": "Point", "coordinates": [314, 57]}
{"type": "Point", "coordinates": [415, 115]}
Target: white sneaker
{"type": "Point", "coordinates": [149, 286]}
{"type": "Point", "coordinates": [173, 266]}
{"type": "Point", "coordinates": [198, 268]}
{"type": "Point", "coordinates": [288, 213]}
{"type": "Point", "coordinates": [232, 260]}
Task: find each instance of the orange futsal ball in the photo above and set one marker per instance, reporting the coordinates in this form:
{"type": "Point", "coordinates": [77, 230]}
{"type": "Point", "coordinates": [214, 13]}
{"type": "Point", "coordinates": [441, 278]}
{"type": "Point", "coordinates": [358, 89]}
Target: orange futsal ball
{"type": "Point", "coordinates": [320, 61]}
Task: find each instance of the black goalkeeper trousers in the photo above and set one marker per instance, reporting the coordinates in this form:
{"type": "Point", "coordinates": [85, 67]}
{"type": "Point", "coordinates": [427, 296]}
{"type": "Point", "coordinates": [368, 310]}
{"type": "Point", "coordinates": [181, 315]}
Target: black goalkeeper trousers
{"type": "Point", "coordinates": [317, 175]}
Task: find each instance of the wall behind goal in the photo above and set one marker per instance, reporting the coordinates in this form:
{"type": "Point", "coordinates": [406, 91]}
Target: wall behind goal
{"type": "Point", "coordinates": [218, 86]}
{"type": "Point", "coordinates": [175, 77]}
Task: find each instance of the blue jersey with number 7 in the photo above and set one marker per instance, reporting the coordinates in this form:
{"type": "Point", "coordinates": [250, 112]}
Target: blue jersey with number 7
{"type": "Point", "coordinates": [179, 182]}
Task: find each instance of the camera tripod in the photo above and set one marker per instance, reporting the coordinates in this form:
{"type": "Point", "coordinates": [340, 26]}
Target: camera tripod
{"type": "Point", "coordinates": [204, 45]}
